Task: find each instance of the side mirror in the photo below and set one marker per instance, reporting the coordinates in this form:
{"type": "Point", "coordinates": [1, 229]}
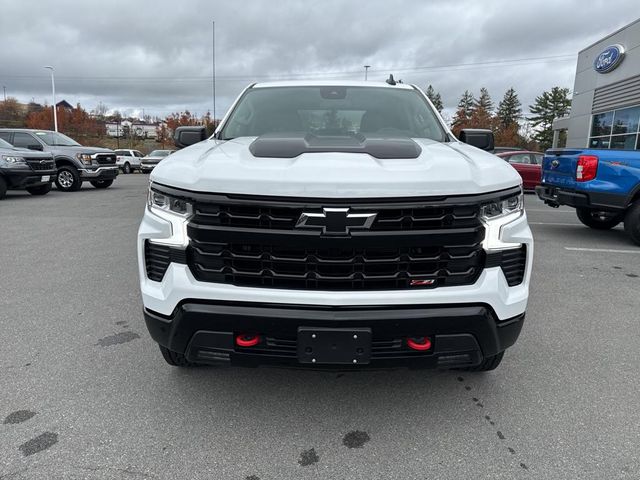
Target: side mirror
{"type": "Point", "coordinates": [479, 138]}
{"type": "Point", "coordinates": [35, 146]}
{"type": "Point", "coordinates": [185, 136]}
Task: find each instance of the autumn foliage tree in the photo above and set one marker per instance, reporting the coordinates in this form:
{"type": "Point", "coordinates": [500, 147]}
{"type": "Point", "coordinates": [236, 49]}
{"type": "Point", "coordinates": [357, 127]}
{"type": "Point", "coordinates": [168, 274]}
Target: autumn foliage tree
{"type": "Point", "coordinates": [76, 123]}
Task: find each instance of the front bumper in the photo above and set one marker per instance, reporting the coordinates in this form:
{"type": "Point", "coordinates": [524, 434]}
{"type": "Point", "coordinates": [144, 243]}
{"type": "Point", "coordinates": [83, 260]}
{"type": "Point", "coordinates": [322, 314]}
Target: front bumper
{"type": "Point", "coordinates": [461, 335]}
{"type": "Point", "coordinates": [100, 173]}
{"type": "Point", "coordinates": [17, 179]}
{"type": "Point", "coordinates": [147, 167]}
{"type": "Point", "coordinates": [556, 196]}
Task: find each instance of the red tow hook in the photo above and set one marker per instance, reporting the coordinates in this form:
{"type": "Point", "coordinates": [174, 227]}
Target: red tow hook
{"type": "Point", "coordinates": [247, 340]}
{"type": "Point", "coordinates": [419, 343]}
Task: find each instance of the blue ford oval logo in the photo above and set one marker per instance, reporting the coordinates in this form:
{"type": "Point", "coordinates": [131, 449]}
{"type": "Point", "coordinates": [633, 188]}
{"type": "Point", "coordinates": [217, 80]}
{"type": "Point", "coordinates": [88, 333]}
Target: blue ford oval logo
{"type": "Point", "coordinates": [609, 58]}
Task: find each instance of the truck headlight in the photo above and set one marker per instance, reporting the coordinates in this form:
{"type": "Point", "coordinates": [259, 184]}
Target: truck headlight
{"type": "Point", "coordinates": [84, 158]}
{"type": "Point", "coordinates": [500, 208]}
{"type": "Point", "coordinates": [498, 213]}
{"type": "Point", "coordinates": [14, 161]}
{"type": "Point", "coordinates": [166, 203]}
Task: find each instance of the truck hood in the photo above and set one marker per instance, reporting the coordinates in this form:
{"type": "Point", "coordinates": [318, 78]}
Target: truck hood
{"type": "Point", "coordinates": [452, 168]}
{"type": "Point", "coordinates": [25, 152]}
{"type": "Point", "coordinates": [78, 149]}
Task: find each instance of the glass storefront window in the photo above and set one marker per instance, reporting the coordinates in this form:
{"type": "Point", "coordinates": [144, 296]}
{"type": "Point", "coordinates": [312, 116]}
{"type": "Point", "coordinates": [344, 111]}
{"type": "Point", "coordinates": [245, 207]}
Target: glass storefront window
{"type": "Point", "coordinates": [626, 120]}
{"type": "Point", "coordinates": [623, 142]}
{"type": "Point", "coordinates": [617, 129]}
{"type": "Point", "coordinates": [602, 124]}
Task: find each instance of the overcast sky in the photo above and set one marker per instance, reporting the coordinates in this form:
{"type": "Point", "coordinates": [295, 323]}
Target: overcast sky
{"type": "Point", "coordinates": [157, 55]}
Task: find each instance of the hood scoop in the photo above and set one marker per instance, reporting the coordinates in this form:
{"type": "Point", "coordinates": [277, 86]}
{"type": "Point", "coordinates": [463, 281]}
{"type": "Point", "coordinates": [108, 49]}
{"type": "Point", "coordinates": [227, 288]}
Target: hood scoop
{"type": "Point", "coordinates": [285, 145]}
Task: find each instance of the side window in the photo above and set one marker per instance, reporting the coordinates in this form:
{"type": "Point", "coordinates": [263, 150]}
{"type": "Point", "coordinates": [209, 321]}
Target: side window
{"type": "Point", "coordinates": [520, 158]}
{"type": "Point", "coordinates": [538, 158]}
{"type": "Point", "coordinates": [5, 136]}
{"type": "Point", "coordinates": [138, 154]}
{"type": "Point", "coordinates": [24, 140]}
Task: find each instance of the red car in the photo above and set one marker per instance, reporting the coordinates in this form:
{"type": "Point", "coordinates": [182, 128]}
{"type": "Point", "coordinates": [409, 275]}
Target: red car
{"type": "Point", "coordinates": [528, 165]}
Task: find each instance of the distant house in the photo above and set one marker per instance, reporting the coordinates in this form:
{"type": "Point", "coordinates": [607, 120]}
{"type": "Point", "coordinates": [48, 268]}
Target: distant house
{"type": "Point", "coordinates": [64, 104]}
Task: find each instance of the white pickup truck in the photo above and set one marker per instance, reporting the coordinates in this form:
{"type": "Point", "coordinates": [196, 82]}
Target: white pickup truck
{"type": "Point", "coordinates": [128, 160]}
{"type": "Point", "coordinates": [334, 225]}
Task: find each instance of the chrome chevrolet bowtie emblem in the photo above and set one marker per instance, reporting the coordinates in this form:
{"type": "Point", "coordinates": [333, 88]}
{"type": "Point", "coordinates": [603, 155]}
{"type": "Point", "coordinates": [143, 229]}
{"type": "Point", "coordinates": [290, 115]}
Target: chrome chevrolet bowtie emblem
{"type": "Point", "coordinates": [336, 221]}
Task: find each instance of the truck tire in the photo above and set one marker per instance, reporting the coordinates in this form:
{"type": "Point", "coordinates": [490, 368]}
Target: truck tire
{"type": "Point", "coordinates": [101, 183]}
{"type": "Point", "coordinates": [126, 168]}
{"type": "Point", "coordinates": [68, 179]}
{"type": "Point", "coordinates": [40, 189]}
{"type": "Point", "coordinates": [175, 359]}
{"type": "Point", "coordinates": [599, 220]}
{"type": "Point", "coordinates": [489, 363]}
{"type": "Point", "coordinates": [632, 222]}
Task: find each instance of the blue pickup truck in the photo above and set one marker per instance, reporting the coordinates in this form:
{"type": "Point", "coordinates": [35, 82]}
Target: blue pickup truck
{"type": "Point", "coordinates": [602, 185]}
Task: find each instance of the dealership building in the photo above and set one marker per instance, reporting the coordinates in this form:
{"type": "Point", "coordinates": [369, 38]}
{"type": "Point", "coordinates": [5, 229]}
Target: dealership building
{"type": "Point", "coordinates": [605, 109]}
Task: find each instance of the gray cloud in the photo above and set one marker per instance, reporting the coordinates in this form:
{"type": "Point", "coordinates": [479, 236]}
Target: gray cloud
{"type": "Point", "coordinates": [156, 55]}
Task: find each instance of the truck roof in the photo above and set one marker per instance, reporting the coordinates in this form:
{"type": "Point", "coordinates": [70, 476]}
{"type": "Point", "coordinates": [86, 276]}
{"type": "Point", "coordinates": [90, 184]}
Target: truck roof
{"type": "Point", "coordinates": [330, 83]}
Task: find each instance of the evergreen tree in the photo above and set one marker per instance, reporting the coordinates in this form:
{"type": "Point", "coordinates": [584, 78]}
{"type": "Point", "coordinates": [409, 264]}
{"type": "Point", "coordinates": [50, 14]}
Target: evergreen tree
{"type": "Point", "coordinates": [435, 98]}
{"type": "Point", "coordinates": [509, 111]}
{"type": "Point", "coordinates": [463, 113]}
{"type": "Point", "coordinates": [549, 105]}
{"type": "Point", "coordinates": [484, 102]}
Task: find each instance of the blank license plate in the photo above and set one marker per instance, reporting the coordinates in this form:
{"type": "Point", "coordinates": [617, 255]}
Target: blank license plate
{"type": "Point", "coordinates": [340, 346]}
{"type": "Point", "coordinates": [45, 178]}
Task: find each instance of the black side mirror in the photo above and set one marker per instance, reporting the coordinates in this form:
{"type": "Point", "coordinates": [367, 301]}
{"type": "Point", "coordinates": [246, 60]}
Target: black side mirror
{"type": "Point", "coordinates": [185, 136]}
{"type": "Point", "coordinates": [479, 138]}
{"type": "Point", "coordinates": [35, 146]}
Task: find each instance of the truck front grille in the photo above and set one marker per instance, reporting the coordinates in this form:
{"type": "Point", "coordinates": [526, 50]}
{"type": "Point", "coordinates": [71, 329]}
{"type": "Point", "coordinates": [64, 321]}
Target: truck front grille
{"type": "Point", "coordinates": [423, 244]}
{"type": "Point", "coordinates": [106, 158]}
{"type": "Point", "coordinates": [38, 165]}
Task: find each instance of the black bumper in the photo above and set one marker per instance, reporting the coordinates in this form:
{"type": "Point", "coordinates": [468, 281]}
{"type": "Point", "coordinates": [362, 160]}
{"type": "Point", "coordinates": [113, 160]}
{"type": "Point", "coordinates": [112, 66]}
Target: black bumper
{"type": "Point", "coordinates": [108, 173]}
{"type": "Point", "coordinates": [556, 196]}
{"type": "Point", "coordinates": [461, 335]}
{"type": "Point", "coordinates": [27, 178]}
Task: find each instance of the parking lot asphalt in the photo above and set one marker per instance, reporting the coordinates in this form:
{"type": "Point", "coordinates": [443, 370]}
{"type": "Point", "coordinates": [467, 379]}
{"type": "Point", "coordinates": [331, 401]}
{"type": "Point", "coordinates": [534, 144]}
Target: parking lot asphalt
{"type": "Point", "coordinates": [86, 393]}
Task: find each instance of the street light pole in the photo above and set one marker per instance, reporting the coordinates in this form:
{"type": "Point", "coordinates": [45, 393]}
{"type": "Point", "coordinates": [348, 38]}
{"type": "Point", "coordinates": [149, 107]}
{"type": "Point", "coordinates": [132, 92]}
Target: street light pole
{"type": "Point", "coordinates": [4, 88]}
{"type": "Point", "coordinates": [366, 70]}
{"type": "Point", "coordinates": [53, 89]}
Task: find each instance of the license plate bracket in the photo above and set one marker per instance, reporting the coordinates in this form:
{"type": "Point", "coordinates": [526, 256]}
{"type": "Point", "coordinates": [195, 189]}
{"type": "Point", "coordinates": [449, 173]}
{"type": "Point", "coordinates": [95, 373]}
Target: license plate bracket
{"type": "Point", "coordinates": [337, 346]}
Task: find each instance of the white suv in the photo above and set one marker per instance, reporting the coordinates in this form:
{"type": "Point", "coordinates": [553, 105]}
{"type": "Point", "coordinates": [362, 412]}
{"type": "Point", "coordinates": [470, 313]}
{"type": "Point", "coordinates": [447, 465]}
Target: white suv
{"type": "Point", "coordinates": [335, 225]}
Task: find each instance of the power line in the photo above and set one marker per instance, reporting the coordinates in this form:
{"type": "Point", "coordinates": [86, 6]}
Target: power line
{"type": "Point", "coordinates": [208, 78]}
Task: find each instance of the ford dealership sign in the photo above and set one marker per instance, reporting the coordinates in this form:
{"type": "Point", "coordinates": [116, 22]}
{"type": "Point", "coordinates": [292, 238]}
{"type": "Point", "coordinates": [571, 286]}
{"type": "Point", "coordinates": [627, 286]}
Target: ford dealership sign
{"type": "Point", "coordinates": [609, 59]}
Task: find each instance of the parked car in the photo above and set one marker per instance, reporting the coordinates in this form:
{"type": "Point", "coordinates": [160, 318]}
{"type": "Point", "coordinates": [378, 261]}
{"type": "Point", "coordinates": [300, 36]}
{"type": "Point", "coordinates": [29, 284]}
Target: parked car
{"type": "Point", "coordinates": [149, 162]}
{"type": "Point", "coordinates": [602, 185]}
{"type": "Point", "coordinates": [287, 239]}
{"type": "Point", "coordinates": [128, 160]}
{"type": "Point", "coordinates": [527, 164]}
{"type": "Point", "coordinates": [24, 169]}
{"type": "Point", "coordinates": [75, 163]}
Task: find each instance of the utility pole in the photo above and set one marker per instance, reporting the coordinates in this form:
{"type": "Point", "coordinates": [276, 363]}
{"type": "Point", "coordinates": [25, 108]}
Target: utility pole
{"type": "Point", "coordinates": [53, 89]}
{"type": "Point", "coordinates": [213, 59]}
{"type": "Point", "coordinates": [4, 88]}
{"type": "Point", "coordinates": [366, 70]}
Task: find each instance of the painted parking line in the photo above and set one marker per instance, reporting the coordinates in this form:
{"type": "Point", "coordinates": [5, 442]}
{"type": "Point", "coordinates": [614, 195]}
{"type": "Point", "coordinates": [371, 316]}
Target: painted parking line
{"type": "Point", "coordinates": [549, 210]}
{"type": "Point", "coordinates": [557, 224]}
{"type": "Point", "coordinates": [601, 250]}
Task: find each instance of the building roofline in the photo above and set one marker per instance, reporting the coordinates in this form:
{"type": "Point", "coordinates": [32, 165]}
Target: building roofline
{"type": "Point", "coordinates": [610, 35]}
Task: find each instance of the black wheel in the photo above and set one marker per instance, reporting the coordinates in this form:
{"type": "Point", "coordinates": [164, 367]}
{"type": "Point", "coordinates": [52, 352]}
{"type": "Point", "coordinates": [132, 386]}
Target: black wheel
{"type": "Point", "coordinates": [632, 222]}
{"type": "Point", "coordinates": [175, 359]}
{"type": "Point", "coordinates": [3, 188]}
{"type": "Point", "coordinates": [40, 190]}
{"type": "Point", "coordinates": [489, 363]}
{"type": "Point", "coordinates": [101, 183]}
{"type": "Point", "coordinates": [126, 168]}
{"type": "Point", "coordinates": [68, 179]}
{"type": "Point", "coordinates": [597, 219]}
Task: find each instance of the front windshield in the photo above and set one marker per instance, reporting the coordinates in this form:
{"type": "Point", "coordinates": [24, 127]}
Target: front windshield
{"type": "Point", "coordinates": [160, 153]}
{"type": "Point", "coordinates": [5, 144]}
{"type": "Point", "coordinates": [333, 111]}
{"type": "Point", "coordinates": [55, 139]}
